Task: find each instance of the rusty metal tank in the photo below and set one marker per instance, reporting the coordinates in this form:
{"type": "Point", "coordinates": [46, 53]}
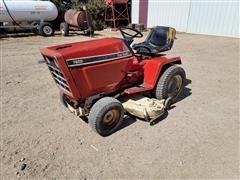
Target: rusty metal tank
{"type": "Point", "coordinates": [77, 18]}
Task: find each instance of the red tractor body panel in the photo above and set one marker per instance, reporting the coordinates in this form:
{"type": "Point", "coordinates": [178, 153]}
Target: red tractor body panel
{"type": "Point", "coordinates": [151, 70]}
{"type": "Point", "coordinates": [89, 68]}
{"type": "Point", "coordinates": [83, 79]}
{"type": "Point", "coordinates": [101, 78]}
{"type": "Point", "coordinates": [153, 67]}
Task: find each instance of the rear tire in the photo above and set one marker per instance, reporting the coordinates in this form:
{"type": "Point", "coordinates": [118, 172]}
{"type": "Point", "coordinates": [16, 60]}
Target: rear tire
{"type": "Point", "coordinates": [64, 28]}
{"type": "Point", "coordinates": [171, 83]}
{"type": "Point", "coordinates": [46, 29]}
{"type": "Point", "coordinates": [106, 116]}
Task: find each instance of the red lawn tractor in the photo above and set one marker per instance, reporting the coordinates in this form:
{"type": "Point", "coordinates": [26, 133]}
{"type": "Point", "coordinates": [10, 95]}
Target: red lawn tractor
{"type": "Point", "coordinates": [103, 79]}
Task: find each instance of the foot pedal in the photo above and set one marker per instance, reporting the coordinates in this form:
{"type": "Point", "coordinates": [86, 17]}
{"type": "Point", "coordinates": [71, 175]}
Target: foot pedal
{"type": "Point", "coordinates": [137, 89]}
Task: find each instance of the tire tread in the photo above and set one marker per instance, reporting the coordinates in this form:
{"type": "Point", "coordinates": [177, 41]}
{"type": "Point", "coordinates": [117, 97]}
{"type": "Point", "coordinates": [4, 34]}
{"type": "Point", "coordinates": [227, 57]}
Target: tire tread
{"type": "Point", "coordinates": [160, 89]}
{"type": "Point", "coordinates": [97, 111]}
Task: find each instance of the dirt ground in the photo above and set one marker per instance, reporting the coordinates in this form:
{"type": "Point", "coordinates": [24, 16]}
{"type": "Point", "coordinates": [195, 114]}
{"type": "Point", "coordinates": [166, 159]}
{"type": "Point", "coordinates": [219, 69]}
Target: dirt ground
{"type": "Point", "coordinates": [199, 138]}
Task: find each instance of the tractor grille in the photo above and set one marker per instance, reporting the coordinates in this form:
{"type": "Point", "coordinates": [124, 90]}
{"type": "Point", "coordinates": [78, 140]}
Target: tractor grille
{"type": "Point", "coordinates": [56, 73]}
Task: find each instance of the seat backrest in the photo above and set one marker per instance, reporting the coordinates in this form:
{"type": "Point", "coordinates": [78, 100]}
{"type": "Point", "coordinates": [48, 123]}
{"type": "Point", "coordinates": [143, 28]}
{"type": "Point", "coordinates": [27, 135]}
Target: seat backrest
{"type": "Point", "coordinates": [162, 36]}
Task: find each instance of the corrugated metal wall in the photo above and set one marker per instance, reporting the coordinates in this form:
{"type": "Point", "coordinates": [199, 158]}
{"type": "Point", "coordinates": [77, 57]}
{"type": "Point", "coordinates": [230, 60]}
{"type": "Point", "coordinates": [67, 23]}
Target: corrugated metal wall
{"type": "Point", "coordinates": [168, 13]}
{"type": "Point", "coordinates": [135, 11]}
{"type": "Point", "coordinates": [213, 17]}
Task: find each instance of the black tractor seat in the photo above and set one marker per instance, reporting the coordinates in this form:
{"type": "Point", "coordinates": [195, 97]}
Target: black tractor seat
{"type": "Point", "coordinates": [160, 39]}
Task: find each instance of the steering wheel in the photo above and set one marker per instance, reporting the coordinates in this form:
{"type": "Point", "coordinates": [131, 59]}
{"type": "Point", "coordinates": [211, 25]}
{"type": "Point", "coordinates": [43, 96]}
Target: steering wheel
{"type": "Point", "coordinates": [144, 47]}
{"type": "Point", "coordinates": [129, 37]}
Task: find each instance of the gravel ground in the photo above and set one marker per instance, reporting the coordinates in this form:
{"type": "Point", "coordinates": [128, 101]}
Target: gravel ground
{"type": "Point", "coordinates": [199, 138]}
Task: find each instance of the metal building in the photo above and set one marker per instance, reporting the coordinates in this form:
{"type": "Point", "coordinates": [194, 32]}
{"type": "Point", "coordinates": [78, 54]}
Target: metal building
{"type": "Point", "coordinates": [212, 17]}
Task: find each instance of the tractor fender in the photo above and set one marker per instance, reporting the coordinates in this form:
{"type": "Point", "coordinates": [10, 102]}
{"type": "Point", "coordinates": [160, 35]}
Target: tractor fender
{"type": "Point", "coordinates": [155, 67]}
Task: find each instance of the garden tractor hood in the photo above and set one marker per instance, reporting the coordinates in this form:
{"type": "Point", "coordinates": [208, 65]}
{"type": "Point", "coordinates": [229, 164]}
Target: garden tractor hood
{"type": "Point", "coordinates": [90, 51]}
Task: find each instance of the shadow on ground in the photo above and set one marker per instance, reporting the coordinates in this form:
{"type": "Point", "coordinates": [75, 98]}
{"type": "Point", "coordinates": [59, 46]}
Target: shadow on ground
{"type": "Point", "coordinates": [16, 34]}
{"type": "Point", "coordinates": [186, 93]}
{"type": "Point", "coordinates": [77, 33]}
{"type": "Point", "coordinates": [29, 34]}
{"type": "Point", "coordinates": [129, 120]}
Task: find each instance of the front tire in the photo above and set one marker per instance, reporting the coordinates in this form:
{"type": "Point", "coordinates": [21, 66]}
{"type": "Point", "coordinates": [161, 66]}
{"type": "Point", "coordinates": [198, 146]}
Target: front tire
{"type": "Point", "coordinates": [106, 116]}
{"type": "Point", "coordinates": [46, 29]}
{"type": "Point", "coordinates": [170, 84]}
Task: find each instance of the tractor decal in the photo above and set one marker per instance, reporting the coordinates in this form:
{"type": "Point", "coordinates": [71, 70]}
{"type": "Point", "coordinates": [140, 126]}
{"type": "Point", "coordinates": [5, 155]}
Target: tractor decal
{"type": "Point", "coordinates": [96, 59]}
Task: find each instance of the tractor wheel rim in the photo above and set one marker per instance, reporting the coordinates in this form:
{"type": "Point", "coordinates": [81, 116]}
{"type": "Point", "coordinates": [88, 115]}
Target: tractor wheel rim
{"type": "Point", "coordinates": [47, 30]}
{"type": "Point", "coordinates": [174, 86]}
{"type": "Point", "coordinates": [111, 117]}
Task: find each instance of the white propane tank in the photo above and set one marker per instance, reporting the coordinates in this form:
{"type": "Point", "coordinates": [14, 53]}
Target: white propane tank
{"type": "Point", "coordinates": [27, 10]}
